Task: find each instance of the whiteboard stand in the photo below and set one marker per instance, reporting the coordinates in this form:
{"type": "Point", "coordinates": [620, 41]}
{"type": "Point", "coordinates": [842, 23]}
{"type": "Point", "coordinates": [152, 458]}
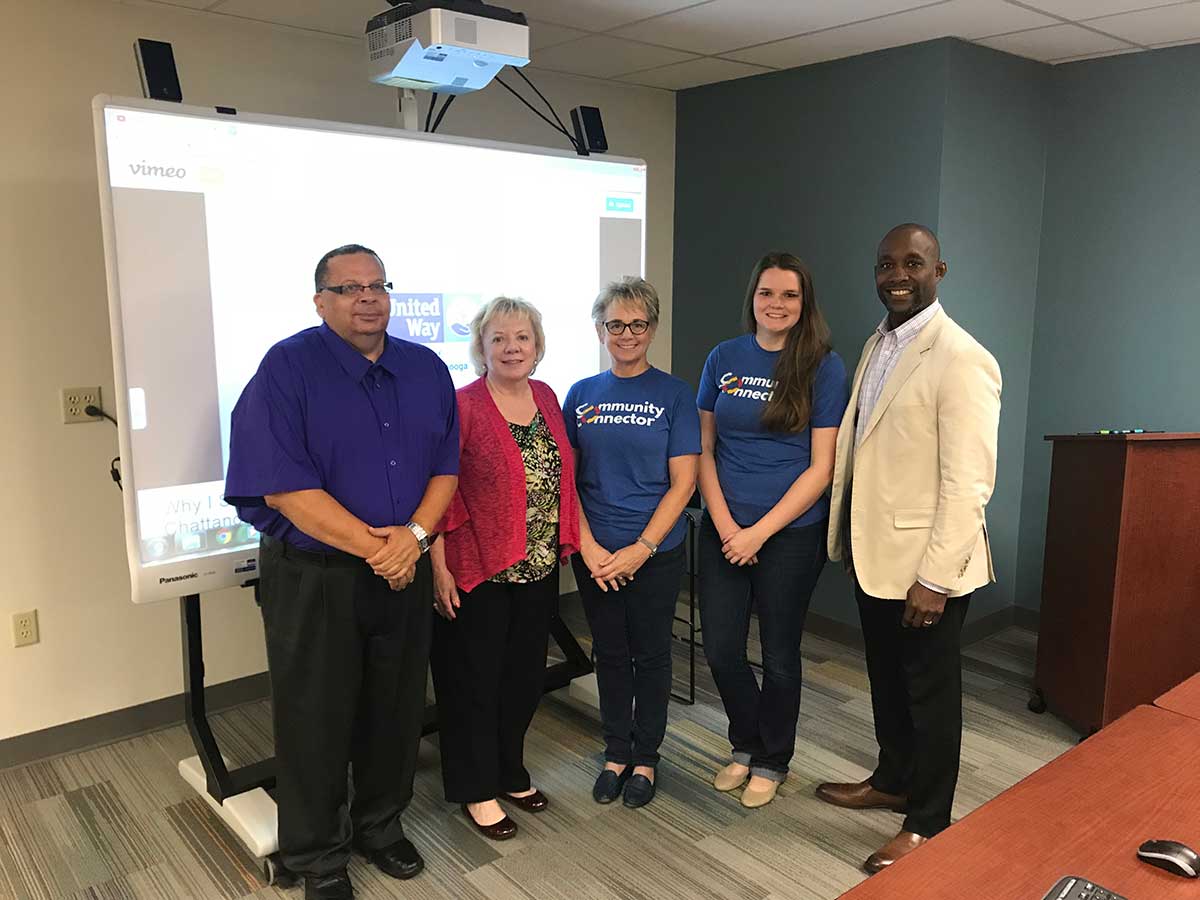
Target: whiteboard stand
{"type": "Point", "coordinates": [241, 797]}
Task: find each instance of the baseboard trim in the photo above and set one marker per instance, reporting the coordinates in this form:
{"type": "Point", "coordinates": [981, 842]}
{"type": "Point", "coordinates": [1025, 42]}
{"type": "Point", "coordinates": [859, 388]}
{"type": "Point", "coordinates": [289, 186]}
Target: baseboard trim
{"type": "Point", "coordinates": [1027, 618]}
{"type": "Point", "coordinates": [975, 630]}
{"type": "Point", "coordinates": [120, 724]}
{"type": "Point", "coordinates": [834, 630]}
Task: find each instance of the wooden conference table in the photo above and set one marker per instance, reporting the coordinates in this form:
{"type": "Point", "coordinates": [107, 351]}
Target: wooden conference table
{"type": "Point", "coordinates": [1185, 700]}
{"type": "Point", "coordinates": [1083, 814]}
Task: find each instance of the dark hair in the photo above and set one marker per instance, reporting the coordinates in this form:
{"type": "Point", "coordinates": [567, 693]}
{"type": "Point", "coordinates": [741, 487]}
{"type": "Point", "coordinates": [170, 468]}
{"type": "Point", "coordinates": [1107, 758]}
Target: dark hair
{"type": "Point", "coordinates": [344, 250]}
{"type": "Point", "coordinates": [808, 342]}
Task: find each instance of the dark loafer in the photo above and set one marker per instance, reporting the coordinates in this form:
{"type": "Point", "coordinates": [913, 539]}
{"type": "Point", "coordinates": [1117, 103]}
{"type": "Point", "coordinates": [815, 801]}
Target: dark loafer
{"type": "Point", "coordinates": [638, 791]}
{"type": "Point", "coordinates": [499, 831]}
{"type": "Point", "coordinates": [609, 785]}
{"type": "Point", "coordinates": [534, 803]}
{"type": "Point", "coordinates": [399, 860]}
{"type": "Point", "coordinates": [328, 887]}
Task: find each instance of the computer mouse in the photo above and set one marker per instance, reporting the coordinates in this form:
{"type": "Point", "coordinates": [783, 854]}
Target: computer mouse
{"type": "Point", "coordinates": [1174, 857]}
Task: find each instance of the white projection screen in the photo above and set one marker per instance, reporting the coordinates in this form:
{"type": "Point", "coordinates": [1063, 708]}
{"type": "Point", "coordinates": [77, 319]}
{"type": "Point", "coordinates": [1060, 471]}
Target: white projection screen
{"type": "Point", "coordinates": [213, 225]}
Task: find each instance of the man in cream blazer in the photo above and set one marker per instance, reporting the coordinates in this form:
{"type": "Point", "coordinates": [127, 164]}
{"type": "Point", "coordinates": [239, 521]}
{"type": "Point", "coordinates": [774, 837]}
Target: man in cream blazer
{"type": "Point", "coordinates": [914, 469]}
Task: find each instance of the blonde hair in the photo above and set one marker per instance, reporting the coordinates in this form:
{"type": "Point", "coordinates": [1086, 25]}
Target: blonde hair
{"type": "Point", "coordinates": [505, 306]}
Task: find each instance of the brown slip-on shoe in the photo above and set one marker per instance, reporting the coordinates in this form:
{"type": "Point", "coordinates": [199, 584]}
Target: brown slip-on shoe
{"type": "Point", "coordinates": [901, 845]}
{"type": "Point", "coordinates": [535, 802]}
{"type": "Point", "coordinates": [860, 796]}
{"type": "Point", "coordinates": [497, 831]}
{"type": "Point", "coordinates": [728, 779]}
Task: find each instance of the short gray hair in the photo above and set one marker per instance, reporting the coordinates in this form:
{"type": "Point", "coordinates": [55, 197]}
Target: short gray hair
{"type": "Point", "coordinates": [632, 290]}
{"type": "Point", "coordinates": [505, 306]}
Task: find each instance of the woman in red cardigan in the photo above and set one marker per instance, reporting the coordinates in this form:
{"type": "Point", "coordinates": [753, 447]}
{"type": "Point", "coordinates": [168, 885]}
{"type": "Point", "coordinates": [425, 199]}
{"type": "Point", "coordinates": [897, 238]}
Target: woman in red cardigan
{"type": "Point", "coordinates": [514, 518]}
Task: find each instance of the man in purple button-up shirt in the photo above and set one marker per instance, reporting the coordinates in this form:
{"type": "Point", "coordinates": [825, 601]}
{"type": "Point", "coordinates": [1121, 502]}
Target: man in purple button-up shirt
{"type": "Point", "coordinates": [344, 454]}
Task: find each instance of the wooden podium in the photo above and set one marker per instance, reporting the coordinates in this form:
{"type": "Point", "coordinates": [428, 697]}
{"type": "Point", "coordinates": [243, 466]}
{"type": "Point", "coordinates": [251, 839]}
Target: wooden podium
{"type": "Point", "coordinates": [1120, 616]}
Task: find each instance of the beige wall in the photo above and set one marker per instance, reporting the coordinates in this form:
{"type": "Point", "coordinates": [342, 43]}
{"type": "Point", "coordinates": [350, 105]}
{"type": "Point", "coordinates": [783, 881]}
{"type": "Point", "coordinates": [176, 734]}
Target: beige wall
{"type": "Point", "coordinates": [61, 528]}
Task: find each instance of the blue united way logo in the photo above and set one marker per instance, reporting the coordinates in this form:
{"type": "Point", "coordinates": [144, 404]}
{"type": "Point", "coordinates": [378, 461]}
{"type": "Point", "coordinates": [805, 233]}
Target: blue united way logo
{"type": "Point", "coordinates": [417, 318]}
{"type": "Point", "coordinates": [459, 310]}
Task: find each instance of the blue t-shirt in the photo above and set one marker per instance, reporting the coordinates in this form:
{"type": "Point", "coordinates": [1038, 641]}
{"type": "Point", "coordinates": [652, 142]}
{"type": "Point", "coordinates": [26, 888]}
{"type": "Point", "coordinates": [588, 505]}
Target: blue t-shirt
{"type": "Point", "coordinates": [756, 467]}
{"type": "Point", "coordinates": [625, 430]}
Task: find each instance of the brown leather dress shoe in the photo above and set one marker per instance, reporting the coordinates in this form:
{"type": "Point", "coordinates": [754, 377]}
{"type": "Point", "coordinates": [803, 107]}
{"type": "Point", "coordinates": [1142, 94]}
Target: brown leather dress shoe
{"type": "Point", "coordinates": [901, 845]}
{"type": "Point", "coordinates": [535, 802]}
{"type": "Point", "coordinates": [497, 831]}
{"type": "Point", "coordinates": [860, 796]}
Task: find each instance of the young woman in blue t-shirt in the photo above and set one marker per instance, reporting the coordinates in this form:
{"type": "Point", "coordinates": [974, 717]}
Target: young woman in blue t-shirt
{"type": "Point", "coordinates": [770, 404]}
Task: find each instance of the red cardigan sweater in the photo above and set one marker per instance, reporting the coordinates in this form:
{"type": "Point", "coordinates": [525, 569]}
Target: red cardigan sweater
{"type": "Point", "coordinates": [484, 528]}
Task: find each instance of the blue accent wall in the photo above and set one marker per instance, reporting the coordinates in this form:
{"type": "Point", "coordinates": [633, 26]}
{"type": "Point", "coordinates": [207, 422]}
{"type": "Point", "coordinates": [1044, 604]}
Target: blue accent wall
{"type": "Point", "coordinates": [1118, 313]}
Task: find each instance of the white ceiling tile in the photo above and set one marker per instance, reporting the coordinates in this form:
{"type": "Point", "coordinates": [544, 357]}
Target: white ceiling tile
{"type": "Point", "coordinates": [1056, 42]}
{"type": "Point", "coordinates": [1087, 9]}
{"type": "Point", "coordinates": [606, 57]}
{"type": "Point", "coordinates": [543, 34]}
{"type": "Point", "coordinates": [593, 15]}
{"type": "Point", "coordinates": [728, 24]}
{"type": "Point", "coordinates": [1087, 56]}
{"type": "Point", "coordinates": [1166, 24]}
{"type": "Point", "coordinates": [968, 19]}
{"type": "Point", "coordinates": [693, 73]}
{"type": "Point", "coordinates": [1175, 44]}
{"type": "Point", "coordinates": [188, 4]}
{"type": "Point", "coordinates": [347, 17]}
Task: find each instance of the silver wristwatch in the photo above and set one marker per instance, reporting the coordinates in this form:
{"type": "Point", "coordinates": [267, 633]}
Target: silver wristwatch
{"type": "Point", "coordinates": [649, 545]}
{"type": "Point", "coordinates": [424, 539]}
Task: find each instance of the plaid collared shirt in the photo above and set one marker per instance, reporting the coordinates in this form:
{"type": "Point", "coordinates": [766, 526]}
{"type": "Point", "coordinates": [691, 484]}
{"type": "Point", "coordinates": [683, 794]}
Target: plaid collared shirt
{"type": "Point", "coordinates": [883, 361]}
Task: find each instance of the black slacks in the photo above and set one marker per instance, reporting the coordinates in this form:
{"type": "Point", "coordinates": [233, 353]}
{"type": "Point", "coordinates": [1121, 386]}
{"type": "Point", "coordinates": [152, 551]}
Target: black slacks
{"type": "Point", "coordinates": [489, 669]}
{"type": "Point", "coordinates": [916, 697]}
{"type": "Point", "coordinates": [347, 657]}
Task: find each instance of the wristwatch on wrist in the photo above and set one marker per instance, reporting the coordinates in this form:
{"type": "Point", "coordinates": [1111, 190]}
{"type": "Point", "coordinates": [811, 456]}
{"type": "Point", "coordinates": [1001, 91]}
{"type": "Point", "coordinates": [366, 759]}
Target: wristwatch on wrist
{"type": "Point", "coordinates": [653, 548]}
{"type": "Point", "coordinates": [424, 538]}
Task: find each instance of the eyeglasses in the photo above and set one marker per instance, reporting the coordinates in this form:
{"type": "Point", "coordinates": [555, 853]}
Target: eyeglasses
{"type": "Point", "coordinates": [616, 326]}
{"type": "Point", "coordinates": [355, 290]}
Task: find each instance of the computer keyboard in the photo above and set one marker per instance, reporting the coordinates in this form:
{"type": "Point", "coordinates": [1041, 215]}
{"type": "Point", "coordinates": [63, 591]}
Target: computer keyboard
{"type": "Point", "coordinates": [1072, 887]}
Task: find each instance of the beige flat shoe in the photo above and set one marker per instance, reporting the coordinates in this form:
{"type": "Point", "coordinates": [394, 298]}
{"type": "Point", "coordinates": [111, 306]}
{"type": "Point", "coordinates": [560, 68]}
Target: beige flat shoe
{"type": "Point", "coordinates": [753, 799]}
{"type": "Point", "coordinates": [729, 778]}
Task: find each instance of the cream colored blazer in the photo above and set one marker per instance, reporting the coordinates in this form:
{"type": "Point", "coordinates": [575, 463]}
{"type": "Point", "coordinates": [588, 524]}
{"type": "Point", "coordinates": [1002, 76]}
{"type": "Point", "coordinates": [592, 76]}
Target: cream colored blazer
{"type": "Point", "coordinates": [910, 499]}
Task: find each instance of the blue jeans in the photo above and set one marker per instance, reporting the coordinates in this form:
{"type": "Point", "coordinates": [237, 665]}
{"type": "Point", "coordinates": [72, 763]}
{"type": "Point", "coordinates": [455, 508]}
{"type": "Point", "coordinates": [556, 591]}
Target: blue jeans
{"type": "Point", "coordinates": [631, 644]}
{"type": "Point", "coordinates": [762, 720]}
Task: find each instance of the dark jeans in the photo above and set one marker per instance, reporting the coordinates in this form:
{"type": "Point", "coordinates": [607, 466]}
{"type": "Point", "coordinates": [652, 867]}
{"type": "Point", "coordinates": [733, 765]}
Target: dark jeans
{"type": "Point", "coordinates": [489, 668]}
{"type": "Point", "coordinates": [762, 721]}
{"type": "Point", "coordinates": [347, 657]}
{"type": "Point", "coordinates": [631, 645]}
{"type": "Point", "coordinates": [916, 696]}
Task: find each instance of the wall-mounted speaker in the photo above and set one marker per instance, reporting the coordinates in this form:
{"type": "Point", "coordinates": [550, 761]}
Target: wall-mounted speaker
{"type": "Point", "coordinates": [156, 66]}
{"type": "Point", "coordinates": [589, 130]}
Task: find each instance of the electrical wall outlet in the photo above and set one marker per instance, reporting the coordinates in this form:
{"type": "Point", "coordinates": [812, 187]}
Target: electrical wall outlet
{"type": "Point", "coordinates": [75, 400]}
{"type": "Point", "coordinates": [25, 628]}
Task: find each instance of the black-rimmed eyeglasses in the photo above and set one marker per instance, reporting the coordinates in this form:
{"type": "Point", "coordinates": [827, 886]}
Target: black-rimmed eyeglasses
{"type": "Point", "coordinates": [355, 290]}
{"type": "Point", "coordinates": [617, 327]}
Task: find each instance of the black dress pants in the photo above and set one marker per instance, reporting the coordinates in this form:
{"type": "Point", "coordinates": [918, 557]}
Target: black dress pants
{"type": "Point", "coordinates": [916, 697]}
{"type": "Point", "coordinates": [347, 657]}
{"type": "Point", "coordinates": [489, 669]}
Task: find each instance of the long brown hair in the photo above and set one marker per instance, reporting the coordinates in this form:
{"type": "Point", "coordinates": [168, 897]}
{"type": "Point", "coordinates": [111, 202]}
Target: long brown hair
{"type": "Point", "coordinates": [807, 343]}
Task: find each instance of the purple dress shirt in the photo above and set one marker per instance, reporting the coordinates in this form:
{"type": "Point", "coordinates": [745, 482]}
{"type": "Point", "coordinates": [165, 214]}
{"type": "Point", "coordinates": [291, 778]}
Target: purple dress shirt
{"type": "Point", "coordinates": [319, 415]}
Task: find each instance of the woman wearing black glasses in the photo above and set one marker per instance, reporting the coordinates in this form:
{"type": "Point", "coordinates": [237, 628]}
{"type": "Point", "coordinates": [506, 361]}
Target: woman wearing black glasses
{"type": "Point", "coordinates": [636, 434]}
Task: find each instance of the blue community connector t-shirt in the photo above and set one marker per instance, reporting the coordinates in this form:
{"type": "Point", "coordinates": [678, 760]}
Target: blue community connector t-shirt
{"type": "Point", "coordinates": [755, 466]}
{"type": "Point", "coordinates": [626, 429]}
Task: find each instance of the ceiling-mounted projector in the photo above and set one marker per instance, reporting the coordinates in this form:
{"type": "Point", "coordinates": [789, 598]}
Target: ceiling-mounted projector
{"type": "Point", "coordinates": [448, 46]}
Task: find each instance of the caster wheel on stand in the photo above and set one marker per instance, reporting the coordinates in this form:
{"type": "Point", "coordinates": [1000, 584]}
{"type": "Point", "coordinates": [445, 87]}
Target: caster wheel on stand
{"type": "Point", "coordinates": [276, 873]}
{"type": "Point", "coordinates": [1037, 703]}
